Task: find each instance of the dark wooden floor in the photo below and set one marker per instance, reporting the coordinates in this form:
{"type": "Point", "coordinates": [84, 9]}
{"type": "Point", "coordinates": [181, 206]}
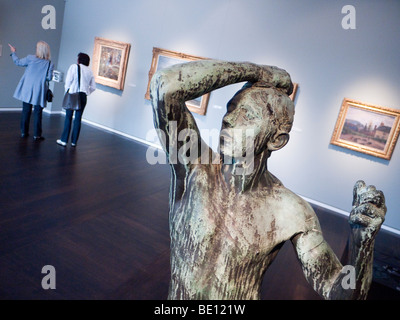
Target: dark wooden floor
{"type": "Point", "coordinates": [98, 213]}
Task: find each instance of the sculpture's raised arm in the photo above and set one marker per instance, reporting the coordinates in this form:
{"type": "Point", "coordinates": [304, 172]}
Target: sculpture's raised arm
{"type": "Point", "coordinates": [329, 277]}
{"type": "Point", "coordinates": [171, 87]}
{"type": "Point", "coordinates": [366, 218]}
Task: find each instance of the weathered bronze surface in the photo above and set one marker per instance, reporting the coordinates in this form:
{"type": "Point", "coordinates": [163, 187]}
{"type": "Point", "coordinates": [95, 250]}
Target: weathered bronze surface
{"type": "Point", "coordinates": [228, 219]}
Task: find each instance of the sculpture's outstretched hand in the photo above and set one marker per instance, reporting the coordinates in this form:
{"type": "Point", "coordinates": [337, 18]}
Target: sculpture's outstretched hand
{"type": "Point", "coordinates": [368, 212]}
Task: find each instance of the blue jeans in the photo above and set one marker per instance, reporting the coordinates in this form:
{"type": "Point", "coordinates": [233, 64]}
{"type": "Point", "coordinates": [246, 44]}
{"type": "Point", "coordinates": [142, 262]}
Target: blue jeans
{"type": "Point", "coordinates": [26, 118]}
{"type": "Point", "coordinates": [77, 122]}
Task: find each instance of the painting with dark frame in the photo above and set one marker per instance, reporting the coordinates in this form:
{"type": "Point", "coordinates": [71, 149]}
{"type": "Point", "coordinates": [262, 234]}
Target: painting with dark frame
{"type": "Point", "coordinates": [163, 58]}
{"type": "Point", "coordinates": [110, 59]}
{"type": "Point", "coordinates": [366, 128]}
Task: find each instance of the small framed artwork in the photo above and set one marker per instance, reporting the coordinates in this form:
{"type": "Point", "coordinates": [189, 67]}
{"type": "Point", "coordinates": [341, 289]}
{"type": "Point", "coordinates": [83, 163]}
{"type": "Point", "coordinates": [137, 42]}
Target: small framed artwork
{"type": "Point", "coordinates": [365, 128]}
{"type": "Point", "coordinates": [165, 58]}
{"type": "Point", "coordinates": [110, 59]}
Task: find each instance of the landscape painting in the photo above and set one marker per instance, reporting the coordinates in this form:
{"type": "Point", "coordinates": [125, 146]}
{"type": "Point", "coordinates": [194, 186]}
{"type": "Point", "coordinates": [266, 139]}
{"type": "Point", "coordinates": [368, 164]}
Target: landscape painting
{"type": "Point", "coordinates": [365, 128]}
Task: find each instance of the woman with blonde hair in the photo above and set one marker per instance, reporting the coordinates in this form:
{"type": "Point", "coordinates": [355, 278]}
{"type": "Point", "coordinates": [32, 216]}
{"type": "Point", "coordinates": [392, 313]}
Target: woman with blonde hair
{"type": "Point", "coordinates": [32, 87]}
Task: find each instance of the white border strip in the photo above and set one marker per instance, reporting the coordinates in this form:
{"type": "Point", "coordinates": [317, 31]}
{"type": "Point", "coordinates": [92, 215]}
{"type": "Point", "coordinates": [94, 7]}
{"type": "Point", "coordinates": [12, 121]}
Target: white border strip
{"type": "Point", "coordinates": [45, 110]}
{"type": "Point", "coordinates": [52, 112]}
{"type": "Point", "coordinates": [326, 206]}
{"type": "Point", "coordinates": [94, 124]}
{"type": "Point", "coordinates": [11, 109]}
{"type": "Point", "coordinates": [342, 212]}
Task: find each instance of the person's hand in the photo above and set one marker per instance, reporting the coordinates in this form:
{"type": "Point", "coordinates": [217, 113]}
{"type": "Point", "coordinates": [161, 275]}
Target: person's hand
{"type": "Point", "coordinates": [12, 48]}
{"type": "Point", "coordinates": [368, 212]}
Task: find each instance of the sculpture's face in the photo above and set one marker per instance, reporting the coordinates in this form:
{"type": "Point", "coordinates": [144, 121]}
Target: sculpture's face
{"type": "Point", "coordinates": [253, 118]}
{"type": "Point", "coordinates": [242, 125]}
{"type": "Point", "coordinates": [245, 125]}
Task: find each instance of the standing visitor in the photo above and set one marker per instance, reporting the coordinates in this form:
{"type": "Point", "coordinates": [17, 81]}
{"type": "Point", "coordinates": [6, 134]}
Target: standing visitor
{"type": "Point", "coordinates": [79, 79]}
{"type": "Point", "coordinates": [33, 86]}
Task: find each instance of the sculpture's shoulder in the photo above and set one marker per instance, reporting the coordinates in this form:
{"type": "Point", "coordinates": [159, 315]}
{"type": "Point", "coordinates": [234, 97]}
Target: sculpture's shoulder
{"type": "Point", "coordinates": [292, 212]}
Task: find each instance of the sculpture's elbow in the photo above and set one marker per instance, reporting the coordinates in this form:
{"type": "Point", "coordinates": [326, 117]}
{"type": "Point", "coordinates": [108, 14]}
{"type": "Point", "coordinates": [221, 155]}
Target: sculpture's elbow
{"type": "Point", "coordinates": [159, 86]}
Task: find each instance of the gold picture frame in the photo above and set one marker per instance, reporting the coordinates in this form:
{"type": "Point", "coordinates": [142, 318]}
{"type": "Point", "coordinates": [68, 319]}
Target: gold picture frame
{"type": "Point", "coordinates": [163, 58]}
{"type": "Point", "coordinates": [110, 59]}
{"type": "Point", "coordinates": [366, 128]}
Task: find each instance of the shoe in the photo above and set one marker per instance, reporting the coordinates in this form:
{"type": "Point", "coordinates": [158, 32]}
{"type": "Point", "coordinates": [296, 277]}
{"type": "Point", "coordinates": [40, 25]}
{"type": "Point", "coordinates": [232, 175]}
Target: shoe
{"type": "Point", "coordinates": [38, 138]}
{"type": "Point", "coordinates": [73, 144]}
{"type": "Point", "coordinates": [61, 143]}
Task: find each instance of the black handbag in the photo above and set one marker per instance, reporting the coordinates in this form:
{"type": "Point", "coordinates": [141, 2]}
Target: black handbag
{"type": "Point", "coordinates": [49, 96]}
{"type": "Point", "coordinates": [72, 101]}
{"type": "Point", "coordinates": [49, 93]}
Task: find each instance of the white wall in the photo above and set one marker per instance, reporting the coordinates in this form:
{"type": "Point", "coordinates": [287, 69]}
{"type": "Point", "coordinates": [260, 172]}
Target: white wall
{"type": "Point", "coordinates": [21, 26]}
{"type": "Point", "coordinates": [304, 37]}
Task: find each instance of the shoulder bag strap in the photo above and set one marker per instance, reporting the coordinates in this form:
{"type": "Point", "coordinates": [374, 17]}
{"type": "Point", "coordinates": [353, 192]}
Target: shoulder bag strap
{"type": "Point", "coordinates": [79, 78]}
{"type": "Point", "coordinates": [48, 67]}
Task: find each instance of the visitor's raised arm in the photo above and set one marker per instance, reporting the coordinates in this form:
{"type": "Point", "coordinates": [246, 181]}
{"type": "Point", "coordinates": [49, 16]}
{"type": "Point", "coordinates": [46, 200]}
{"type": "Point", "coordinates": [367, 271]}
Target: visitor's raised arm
{"type": "Point", "coordinates": [12, 48]}
{"type": "Point", "coordinates": [23, 62]}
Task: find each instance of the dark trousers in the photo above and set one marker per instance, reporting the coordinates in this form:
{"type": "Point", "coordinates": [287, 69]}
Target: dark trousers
{"type": "Point", "coordinates": [77, 122]}
{"type": "Point", "coordinates": [26, 118]}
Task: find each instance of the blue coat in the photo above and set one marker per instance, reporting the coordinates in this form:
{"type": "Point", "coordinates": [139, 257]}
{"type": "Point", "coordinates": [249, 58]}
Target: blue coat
{"type": "Point", "coordinates": [33, 85]}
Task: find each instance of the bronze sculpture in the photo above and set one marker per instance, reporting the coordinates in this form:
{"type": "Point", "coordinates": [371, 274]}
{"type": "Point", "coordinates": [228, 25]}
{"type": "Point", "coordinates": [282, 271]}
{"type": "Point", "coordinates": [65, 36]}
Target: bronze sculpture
{"type": "Point", "coordinates": [229, 218]}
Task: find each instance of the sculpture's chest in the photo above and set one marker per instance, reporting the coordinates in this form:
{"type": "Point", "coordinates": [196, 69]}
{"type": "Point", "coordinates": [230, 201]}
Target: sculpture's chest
{"type": "Point", "coordinates": [210, 215]}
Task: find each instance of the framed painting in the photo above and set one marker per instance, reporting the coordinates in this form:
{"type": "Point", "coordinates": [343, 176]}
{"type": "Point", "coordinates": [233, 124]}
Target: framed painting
{"type": "Point", "coordinates": [165, 58]}
{"type": "Point", "coordinates": [365, 128]}
{"type": "Point", "coordinates": [110, 59]}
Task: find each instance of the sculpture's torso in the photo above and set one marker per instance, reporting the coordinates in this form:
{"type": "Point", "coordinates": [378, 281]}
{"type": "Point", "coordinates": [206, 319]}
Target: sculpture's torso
{"type": "Point", "coordinates": [223, 241]}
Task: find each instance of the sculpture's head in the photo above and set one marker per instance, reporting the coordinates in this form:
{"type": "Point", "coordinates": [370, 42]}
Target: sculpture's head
{"type": "Point", "coordinates": [266, 111]}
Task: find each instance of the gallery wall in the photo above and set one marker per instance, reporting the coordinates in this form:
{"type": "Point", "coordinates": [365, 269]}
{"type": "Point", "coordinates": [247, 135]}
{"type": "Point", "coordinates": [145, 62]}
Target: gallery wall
{"type": "Point", "coordinates": [304, 37]}
{"type": "Point", "coordinates": [23, 24]}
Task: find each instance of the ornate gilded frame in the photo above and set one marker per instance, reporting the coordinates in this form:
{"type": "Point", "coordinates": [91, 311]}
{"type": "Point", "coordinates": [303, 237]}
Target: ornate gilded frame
{"type": "Point", "coordinates": [168, 58]}
{"type": "Point", "coordinates": [110, 59]}
{"type": "Point", "coordinates": [366, 128]}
